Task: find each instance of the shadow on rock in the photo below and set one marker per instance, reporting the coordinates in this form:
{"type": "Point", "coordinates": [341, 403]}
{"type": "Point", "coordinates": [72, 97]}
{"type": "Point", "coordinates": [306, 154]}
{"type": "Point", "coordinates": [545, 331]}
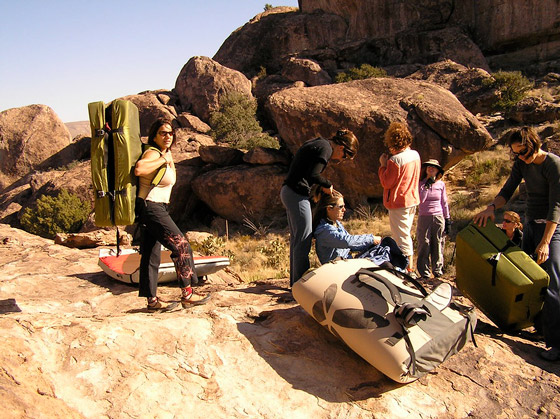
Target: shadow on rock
{"type": "Point", "coordinates": [522, 344]}
{"type": "Point", "coordinates": [9, 305]}
{"type": "Point", "coordinates": [102, 280]}
{"type": "Point", "coordinates": [311, 359]}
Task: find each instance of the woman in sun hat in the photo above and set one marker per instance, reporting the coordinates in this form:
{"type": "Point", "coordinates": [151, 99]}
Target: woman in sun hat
{"type": "Point", "coordinates": [433, 219]}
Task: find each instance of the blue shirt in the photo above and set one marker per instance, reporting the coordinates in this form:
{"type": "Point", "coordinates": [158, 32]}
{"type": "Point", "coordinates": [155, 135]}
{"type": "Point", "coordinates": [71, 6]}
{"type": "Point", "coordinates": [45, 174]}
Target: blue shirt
{"type": "Point", "coordinates": [332, 241]}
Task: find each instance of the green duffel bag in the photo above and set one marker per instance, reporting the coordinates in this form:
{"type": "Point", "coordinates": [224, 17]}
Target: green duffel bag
{"type": "Point", "coordinates": [498, 277]}
{"type": "Point", "coordinates": [115, 149]}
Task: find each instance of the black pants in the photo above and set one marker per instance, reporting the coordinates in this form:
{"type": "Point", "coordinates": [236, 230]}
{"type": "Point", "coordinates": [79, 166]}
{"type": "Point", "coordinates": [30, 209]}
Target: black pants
{"type": "Point", "coordinates": [156, 228]}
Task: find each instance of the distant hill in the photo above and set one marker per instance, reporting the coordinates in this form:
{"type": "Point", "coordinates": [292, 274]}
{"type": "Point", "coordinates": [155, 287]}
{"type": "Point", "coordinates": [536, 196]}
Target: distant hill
{"type": "Point", "coordinates": [78, 128]}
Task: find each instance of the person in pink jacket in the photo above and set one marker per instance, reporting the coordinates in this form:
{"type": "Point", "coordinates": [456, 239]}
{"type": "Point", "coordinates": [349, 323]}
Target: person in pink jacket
{"type": "Point", "coordinates": [399, 175]}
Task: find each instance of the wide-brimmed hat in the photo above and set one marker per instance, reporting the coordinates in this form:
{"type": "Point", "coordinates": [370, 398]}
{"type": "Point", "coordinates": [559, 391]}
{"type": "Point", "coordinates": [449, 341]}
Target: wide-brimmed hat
{"type": "Point", "coordinates": [434, 163]}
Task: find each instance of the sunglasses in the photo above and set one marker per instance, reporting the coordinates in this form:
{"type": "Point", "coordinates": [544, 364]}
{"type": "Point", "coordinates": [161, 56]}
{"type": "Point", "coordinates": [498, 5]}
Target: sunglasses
{"type": "Point", "coordinates": [164, 133]}
{"type": "Point", "coordinates": [348, 155]}
{"type": "Point", "coordinates": [521, 153]}
{"type": "Point", "coordinates": [508, 221]}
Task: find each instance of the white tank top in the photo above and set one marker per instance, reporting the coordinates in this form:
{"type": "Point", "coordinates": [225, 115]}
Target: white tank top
{"type": "Point", "coordinates": [160, 193]}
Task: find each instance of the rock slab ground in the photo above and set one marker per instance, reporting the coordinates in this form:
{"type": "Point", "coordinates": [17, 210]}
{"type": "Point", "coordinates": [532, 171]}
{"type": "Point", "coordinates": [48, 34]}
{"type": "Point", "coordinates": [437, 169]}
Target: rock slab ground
{"type": "Point", "coordinates": [78, 344]}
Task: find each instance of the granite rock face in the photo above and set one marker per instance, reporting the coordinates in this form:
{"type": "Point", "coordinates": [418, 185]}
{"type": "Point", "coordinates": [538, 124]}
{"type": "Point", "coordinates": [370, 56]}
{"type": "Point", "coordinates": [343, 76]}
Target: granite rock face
{"type": "Point", "coordinates": [28, 136]}
{"type": "Point", "coordinates": [78, 344]}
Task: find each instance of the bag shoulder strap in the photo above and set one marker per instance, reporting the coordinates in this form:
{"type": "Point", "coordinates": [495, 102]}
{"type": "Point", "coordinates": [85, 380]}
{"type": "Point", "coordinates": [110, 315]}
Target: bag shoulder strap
{"type": "Point", "coordinates": [161, 171]}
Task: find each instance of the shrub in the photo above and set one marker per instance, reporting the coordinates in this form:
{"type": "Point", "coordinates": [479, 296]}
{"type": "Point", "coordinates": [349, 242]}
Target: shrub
{"type": "Point", "coordinates": [65, 213]}
{"type": "Point", "coordinates": [268, 6]}
{"type": "Point", "coordinates": [235, 124]}
{"type": "Point", "coordinates": [512, 85]}
{"type": "Point", "coordinates": [365, 71]}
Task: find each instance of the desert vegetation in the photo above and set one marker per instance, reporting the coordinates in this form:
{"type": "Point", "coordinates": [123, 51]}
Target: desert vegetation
{"type": "Point", "coordinates": [235, 124]}
{"type": "Point", "coordinates": [63, 213]}
{"type": "Point", "coordinates": [365, 71]}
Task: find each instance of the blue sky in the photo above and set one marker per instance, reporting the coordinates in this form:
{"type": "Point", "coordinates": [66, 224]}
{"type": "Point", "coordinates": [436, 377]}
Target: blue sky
{"type": "Point", "coordinates": [65, 54]}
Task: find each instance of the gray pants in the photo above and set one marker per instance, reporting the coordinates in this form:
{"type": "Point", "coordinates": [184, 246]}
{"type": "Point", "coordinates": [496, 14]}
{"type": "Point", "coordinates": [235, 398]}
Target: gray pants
{"type": "Point", "coordinates": [429, 234]}
{"type": "Point", "coordinates": [298, 209]}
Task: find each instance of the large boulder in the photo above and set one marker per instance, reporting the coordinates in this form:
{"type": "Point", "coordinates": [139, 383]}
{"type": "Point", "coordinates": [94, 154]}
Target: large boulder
{"type": "Point", "coordinates": [534, 110]}
{"type": "Point", "coordinates": [243, 192]}
{"type": "Point", "coordinates": [153, 105]}
{"type": "Point", "coordinates": [308, 71]}
{"type": "Point", "coordinates": [472, 86]}
{"type": "Point", "coordinates": [202, 82]}
{"type": "Point", "coordinates": [413, 46]}
{"type": "Point", "coordinates": [442, 127]}
{"type": "Point", "coordinates": [266, 39]}
{"type": "Point", "coordinates": [28, 136]}
{"type": "Point", "coordinates": [510, 33]}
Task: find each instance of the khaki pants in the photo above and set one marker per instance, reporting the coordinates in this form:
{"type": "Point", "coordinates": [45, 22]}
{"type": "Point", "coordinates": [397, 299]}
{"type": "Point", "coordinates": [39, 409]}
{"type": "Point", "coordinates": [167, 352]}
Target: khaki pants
{"type": "Point", "coordinates": [401, 220]}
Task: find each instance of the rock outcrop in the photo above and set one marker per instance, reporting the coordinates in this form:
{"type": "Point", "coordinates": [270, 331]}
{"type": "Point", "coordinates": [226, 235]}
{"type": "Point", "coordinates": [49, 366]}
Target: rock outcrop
{"type": "Point", "coordinates": [269, 37]}
{"type": "Point", "coordinates": [153, 105]}
{"type": "Point", "coordinates": [28, 136]}
{"type": "Point", "coordinates": [243, 191]}
{"type": "Point", "coordinates": [472, 86]}
{"type": "Point", "coordinates": [80, 345]}
{"type": "Point", "coordinates": [203, 81]}
{"type": "Point", "coordinates": [511, 35]}
{"type": "Point", "coordinates": [442, 127]}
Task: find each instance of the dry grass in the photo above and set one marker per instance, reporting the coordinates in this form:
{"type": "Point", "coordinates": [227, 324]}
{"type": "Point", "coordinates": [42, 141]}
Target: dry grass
{"type": "Point", "coordinates": [471, 185]}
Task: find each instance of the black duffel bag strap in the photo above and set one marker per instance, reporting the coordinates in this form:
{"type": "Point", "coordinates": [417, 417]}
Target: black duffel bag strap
{"type": "Point", "coordinates": [406, 314]}
{"type": "Point", "coordinates": [398, 274]}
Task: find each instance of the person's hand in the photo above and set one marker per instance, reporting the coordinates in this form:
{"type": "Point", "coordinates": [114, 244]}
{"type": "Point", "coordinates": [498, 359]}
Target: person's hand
{"type": "Point", "coordinates": [542, 252]}
{"type": "Point", "coordinates": [448, 223]}
{"type": "Point", "coordinates": [376, 240]}
{"type": "Point", "coordinates": [482, 217]}
{"type": "Point", "coordinates": [383, 159]}
{"type": "Point", "coordinates": [328, 191]}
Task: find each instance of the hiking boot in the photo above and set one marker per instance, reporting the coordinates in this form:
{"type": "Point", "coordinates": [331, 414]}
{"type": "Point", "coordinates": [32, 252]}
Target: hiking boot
{"type": "Point", "coordinates": [194, 299]}
{"type": "Point", "coordinates": [154, 304]}
{"type": "Point", "coordinates": [552, 354]}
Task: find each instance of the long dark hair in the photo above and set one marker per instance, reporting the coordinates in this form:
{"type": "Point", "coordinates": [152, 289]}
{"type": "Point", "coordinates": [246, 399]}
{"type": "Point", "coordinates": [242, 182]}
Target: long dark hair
{"type": "Point", "coordinates": [155, 128]}
{"type": "Point", "coordinates": [348, 140]}
{"type": "Point", "coordinates": [324, 201]}
{"type": "Point", "coordinates": [526, 136]}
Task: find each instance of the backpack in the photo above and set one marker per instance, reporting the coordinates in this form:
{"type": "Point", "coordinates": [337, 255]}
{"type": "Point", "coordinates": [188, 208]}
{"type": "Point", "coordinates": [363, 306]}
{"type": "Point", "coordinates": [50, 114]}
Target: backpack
{"type": "Point", "coordinates": [115, 149]}
{"type": "Point", "coordinates": [385, 316]}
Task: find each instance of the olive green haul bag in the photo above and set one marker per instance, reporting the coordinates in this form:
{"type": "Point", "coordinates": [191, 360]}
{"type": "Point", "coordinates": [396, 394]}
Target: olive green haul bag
{"type": "Point", "coordinates": [115, 149]}
{"type": "Point", "coordinates": [498, 277]}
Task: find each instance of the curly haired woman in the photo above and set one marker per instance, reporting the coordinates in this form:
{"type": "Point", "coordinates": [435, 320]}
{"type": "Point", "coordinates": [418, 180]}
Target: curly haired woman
{"type": "Point", "coordinates": [399, 175]}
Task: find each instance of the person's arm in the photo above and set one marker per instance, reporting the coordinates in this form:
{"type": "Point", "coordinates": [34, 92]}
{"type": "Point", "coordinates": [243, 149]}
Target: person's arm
{"type": "Point", "coordinates": [150, 162]}
{"type": "Point", "coordinates": [316, 178]}
{"type": "Point", "coordinates": [330, 236]}
{"type": "Point", "coordinates": [444, 203]}
{"type": "Point", "coordinates": [388, 174]}
{"type": "Point", "coordinates": [422, 191]}
{"type": "Point", "coordinates": [503, 196]}
{"type": "Point", "coordinates": [543, 248]}
{"type": "Point", "coordinates": [482, 217]}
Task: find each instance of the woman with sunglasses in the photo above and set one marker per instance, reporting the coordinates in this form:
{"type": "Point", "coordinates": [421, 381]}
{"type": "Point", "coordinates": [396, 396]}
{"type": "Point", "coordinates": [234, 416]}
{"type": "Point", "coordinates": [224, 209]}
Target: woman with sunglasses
{"type": "Point", "coordinates": [512, 226]}
{"type": "Point", "coordinates": [333, 241]}
{"type": "Point", "coordinates": [156, 225]}
{"type": "Point", "coordinates": [541, 237]}
{"type": "Point", "coordinates": [305, 171]}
